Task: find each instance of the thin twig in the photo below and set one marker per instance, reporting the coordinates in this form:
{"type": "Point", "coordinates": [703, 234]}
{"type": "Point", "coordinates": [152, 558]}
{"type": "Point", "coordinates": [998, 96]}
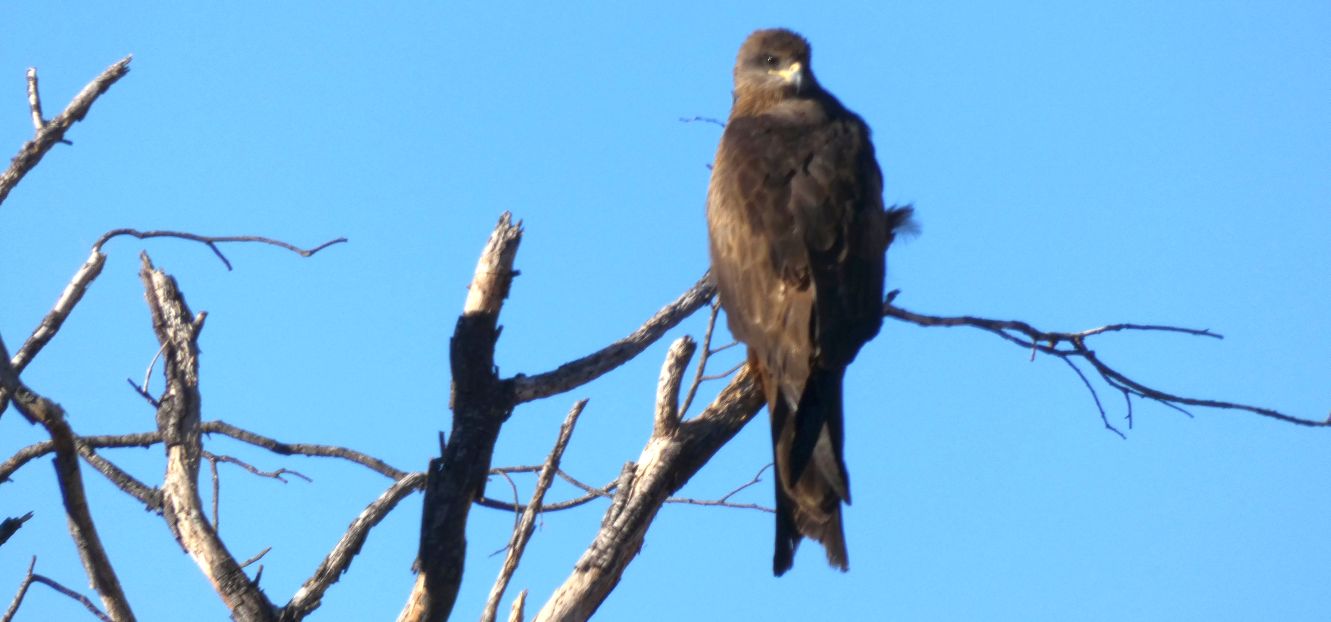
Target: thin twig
{"type": "Point", "coordinates": [22, 591]}
{"type": "Point", "coordinates": [725, 502]}
{"type": "Point", "coordinates": [1046, 342]}
{"type": "Point", "coordinates": [257, 556]}
{"type": "Point", "coordinates": [148, 439]}
{"type": "Point", "coordinates": [725, 374]}
{"type": "Point", "coordinates": [719, 503]}
{"type": "Point", "coordinates": [90, 270]}
{"type": "Point", "coordinates": [211, 241]}
{"type": "Point", "coordinates": [702, 359]}
{"type": "Point", "coordinates": [302, 449]}
{"type": "Point", "coordinates": [142, 390]}
{"type": "Point", "coordinates": [1104, 418]}
{"type": "Point", "coordinates": [148, 374]}
{"type": "Point", "coordinates": [757, 478]}
{"type": "Point", "coordinates": [517, 514]}
{"type": "Point", "coordinates": [523, 533]}
{"type": "Point", "coordinates": [83, 600]}
{"type": "Point", "coordinates": [592, 492]}
{"type": "Point", "coordinates": [277, 475]}
{"type": "Point", "coordinates": [698, 119]}
{"type": "Point", "coordinates": [32, 577]}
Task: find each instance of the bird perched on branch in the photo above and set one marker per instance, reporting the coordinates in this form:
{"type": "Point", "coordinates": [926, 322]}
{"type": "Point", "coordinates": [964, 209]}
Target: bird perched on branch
{"type": "Point", "coordinates": [798, 237]}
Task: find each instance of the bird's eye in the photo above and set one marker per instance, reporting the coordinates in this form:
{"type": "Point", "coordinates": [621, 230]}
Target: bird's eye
{"type": "Point", "coordinates": [770, 60]}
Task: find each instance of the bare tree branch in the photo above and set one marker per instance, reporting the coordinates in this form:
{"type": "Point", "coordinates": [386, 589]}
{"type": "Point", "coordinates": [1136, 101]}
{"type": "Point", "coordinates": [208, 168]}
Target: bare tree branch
{"type": "Point", "coordinates": [302, 449]}
{"type": "Point", "coordinates": [22, 591]}
{"type": "Point", "coordinates": [516, 612]}
{"type": "Point", "coordinates": [525, 527]}
{"type": "Point", "coordinates": [1047, 342]}
{"type": "Point", "coordinates": [54, 131]}
{"type": "Point", "coordinates": [515, 506]}
{"type": "Point", "coordinates": [178, 423]}
{"type": "Point", "coordinates": [55, 318]}
{"type": "Point", "coordinates": [574, 374]}
{"type": "Point", "coordinates": [211, 241]}
{"type": "Point", "coordinates": [310, 595]}
{"type": "Point", "coordinates": [36, 450]}
{"type": "Point", "coordinates": [150, 496]}
{"type": "Point", "coordinates": [257, 556]}
{"type": "Point", "coordinates": [668, 413]}
{"type": "Point", "coordinates": [481, 402]}
{"type": "Point", "coordinates": [213, 459]}
{"type": "Point", "coordinates": [703, 358]}
{"type": "Point", "coordinates": [35, 101]}
{"type": "Point", "coordinates": [147, 439]}
{"type": "Point", "coordinates": [32, 577]}
{"type": "Point", "coordinates": [92, 268]}
{"type": "Point", "coordinates": [48, 414]}
{"type": "Point", "coordinates": [666, 464]}
{"type": "Point", "coordinates": [277, 474]}
{"type": "Point", "coordinates": [699, 119]}
{"type": "Point", "coordinates": [725, 502]}
{"type": "Point", "coordinates": [11, 525]}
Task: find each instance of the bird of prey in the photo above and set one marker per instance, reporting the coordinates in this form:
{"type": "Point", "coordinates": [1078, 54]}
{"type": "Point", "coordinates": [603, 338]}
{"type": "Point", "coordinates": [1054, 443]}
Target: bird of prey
{"type": "Point", "coordinates": [798, 236]}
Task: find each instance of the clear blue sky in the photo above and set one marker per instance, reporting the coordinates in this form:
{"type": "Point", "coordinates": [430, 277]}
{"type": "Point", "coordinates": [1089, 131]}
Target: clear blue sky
{"type": "Point", "coordinates": [1071, 167]}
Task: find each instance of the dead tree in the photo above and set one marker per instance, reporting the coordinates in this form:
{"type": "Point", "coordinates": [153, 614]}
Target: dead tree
{"type": "Point", "coordinates": [482, 401]}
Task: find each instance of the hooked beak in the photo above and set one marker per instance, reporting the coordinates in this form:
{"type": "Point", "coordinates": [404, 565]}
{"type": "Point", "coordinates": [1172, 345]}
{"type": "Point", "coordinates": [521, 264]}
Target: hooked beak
{"type": "Point", "coordinates": [794, 74]}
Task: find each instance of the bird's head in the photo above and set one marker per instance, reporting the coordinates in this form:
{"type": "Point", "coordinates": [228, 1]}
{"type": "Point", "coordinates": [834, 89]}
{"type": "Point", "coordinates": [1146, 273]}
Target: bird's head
{"type": "Point", "coordinates": [773, 65]}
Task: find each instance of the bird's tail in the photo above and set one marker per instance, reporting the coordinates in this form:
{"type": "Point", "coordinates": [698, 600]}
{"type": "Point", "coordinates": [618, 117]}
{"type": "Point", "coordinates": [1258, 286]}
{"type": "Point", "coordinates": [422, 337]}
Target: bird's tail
{"type": "Point", "coordinates": [811, 476]}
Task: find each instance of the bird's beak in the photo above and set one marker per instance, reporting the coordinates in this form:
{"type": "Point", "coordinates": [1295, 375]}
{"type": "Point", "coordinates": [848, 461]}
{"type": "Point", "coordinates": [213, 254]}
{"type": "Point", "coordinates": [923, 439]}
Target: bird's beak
{"type": "Point", "coordinates": [794, 74]}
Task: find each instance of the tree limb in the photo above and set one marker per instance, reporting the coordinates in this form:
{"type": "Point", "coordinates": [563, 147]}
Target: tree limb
{"type": "Point", "coordinates": [178, 423]}
{"type": "Point", "coordinates": [40, 410]}
{"type": "Point", "coordinates": [302, 449]}
{"type": "Point", "coordinates": [310, 595]}
{"type": "Point", "coordinates": [54, 319]}
{"type": "Point", "coordinates": [92, 268]}
{"type": "Point", "coordinates": [53, 132]}
{"type": "Point", "coordinates": [481, 402]}
{"type": "Point", "coordinates": [668, 413]}
{"type": "Point", "coordinates": [32, 577]}
{"type": "Point", "coordinates": [666, 464]}
{"type": "Point", "coordinates": [574, 374]}
{"type": "Point", "coordinates": [211, 241]}
{"type": "Point", "coordinates": [1047, 342]}
{"type": "Point", "coordinates": [11, 525]}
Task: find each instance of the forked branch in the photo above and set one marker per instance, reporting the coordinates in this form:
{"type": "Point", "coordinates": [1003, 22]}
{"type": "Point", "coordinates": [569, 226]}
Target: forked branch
{"type": "Point", "coordinates": [1074, 348]}
{"type": "Point", "coordinates": [53, 132]}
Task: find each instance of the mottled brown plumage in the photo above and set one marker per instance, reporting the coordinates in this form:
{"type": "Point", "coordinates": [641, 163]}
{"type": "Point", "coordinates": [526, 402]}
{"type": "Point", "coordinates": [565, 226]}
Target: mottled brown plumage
{"type": "Point", "coordinates": [798, 236]}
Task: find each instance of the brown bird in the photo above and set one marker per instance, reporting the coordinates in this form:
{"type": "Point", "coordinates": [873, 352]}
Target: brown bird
{"type": "Point", "coordinates": [798, 237]}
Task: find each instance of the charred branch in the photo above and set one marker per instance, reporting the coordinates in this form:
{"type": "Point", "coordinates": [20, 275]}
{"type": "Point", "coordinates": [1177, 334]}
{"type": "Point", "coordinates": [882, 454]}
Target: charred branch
{"type": "Point", "coordinates": [481, 402]}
